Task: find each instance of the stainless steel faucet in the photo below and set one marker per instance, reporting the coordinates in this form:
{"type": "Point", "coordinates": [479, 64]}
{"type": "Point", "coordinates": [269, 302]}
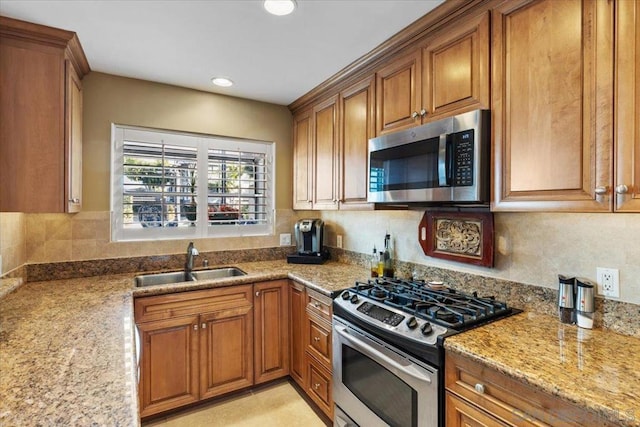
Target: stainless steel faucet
{"type": "Point", "coordinates": [188, 266]}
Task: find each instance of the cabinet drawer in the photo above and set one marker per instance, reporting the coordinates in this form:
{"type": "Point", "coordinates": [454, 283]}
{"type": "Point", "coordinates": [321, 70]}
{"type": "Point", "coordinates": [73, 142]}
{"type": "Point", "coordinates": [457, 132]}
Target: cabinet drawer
{"type": "Point", "coordinates": [509, 400]}
{"type": "Point", "coordinates": [318, 339]}
{"type": "Point", "coordinates": [460, 413]}
{"type": "Point", "coordinates": [195, 302]}
{"type": "Point", "coordinates": [319, 386]}
{"type": "Point", "coordinates": [319, 304]}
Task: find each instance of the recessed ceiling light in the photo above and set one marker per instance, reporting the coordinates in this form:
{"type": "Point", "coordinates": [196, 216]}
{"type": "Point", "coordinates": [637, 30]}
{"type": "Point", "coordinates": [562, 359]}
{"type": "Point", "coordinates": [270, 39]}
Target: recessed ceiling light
{"type": "Point", "coordinates": [279, 7]}
{"type": "Point", "coordinates": [222, 81]}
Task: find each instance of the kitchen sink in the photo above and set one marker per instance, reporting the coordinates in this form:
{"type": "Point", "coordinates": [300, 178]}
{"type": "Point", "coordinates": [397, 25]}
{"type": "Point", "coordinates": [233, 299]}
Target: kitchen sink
{"type": "Point", "coordinates": [218, 273]}
{"type": "Point", "coordinates": [179, 276]}
{"type": "Point", "coordinates": [160, 279]}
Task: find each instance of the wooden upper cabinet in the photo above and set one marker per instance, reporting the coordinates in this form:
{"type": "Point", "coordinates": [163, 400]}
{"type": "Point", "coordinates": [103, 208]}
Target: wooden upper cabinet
{"type": "Point", "coordinates": [357, 125]}
{"type": "Point", "coordinates": [398, 90]}
{"type": "Point", "coordinates": [626, 188]}
{"type": "Point", "coordinates": [41, 109]}
{"type": "Point", "coordinates": [448, 75]}
{"type": "Point", "coordinates": [455, 69]}
{"type": "Point", "coordinates": [325, 154]}
{"type": "Point", "coordinates": [552, 105]}
{"type": "Point", "coordinates": [302, 160]}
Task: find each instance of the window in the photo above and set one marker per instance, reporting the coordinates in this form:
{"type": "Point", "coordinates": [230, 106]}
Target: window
{"type": "Point", "coordinates": [175, 185]}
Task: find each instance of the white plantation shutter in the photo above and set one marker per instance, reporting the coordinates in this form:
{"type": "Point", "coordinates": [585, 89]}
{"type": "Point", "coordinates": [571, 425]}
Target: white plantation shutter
{"type": "Point", "coordinates": [172, 185]}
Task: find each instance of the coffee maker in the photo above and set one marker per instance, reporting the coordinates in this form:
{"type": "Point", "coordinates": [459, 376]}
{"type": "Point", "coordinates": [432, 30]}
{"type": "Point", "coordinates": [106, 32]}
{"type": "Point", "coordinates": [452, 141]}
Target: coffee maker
{"type": "Point", "coordinates": [309, 235]}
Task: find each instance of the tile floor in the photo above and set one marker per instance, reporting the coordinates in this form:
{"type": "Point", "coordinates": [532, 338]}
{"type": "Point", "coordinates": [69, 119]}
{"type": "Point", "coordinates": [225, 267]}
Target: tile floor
{"type": "Point", "coordinates": [277, 404]}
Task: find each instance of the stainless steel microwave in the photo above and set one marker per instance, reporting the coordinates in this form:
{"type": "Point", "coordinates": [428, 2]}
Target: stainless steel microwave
{"type": "Point", "coordinates": [442, 162]}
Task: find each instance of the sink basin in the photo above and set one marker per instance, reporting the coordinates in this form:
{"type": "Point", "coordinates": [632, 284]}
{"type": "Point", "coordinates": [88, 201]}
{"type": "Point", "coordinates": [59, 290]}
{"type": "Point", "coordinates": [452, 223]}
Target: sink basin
{"type": "Point", "coordinates": [218, 273]}
{"type": "Point", "coordinates": [178, 276]}
{"type": "Point", "coordinates": [160, 279]}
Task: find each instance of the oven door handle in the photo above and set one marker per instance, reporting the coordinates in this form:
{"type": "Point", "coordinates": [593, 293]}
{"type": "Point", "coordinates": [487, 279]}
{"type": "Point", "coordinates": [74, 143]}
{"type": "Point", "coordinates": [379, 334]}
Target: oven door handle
{"type": "Point", "coordinates": [371, 351]}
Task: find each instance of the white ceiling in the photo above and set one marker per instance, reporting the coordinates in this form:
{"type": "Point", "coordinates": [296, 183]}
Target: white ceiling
{"type": "Point", "coordinates": [186, 43]}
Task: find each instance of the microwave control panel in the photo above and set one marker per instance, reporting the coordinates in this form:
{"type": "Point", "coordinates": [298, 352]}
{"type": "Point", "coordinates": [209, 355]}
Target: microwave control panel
{"type": "Point", "coordinates": [463, 158]}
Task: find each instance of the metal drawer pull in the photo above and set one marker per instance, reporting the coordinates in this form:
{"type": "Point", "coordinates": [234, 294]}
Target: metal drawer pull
{"type": "Point", "coordinates": [479, 388]}
{"type": "Point", "coordinates": [600, 191]}
{"type": "Point", "coordinates": [622, 189]}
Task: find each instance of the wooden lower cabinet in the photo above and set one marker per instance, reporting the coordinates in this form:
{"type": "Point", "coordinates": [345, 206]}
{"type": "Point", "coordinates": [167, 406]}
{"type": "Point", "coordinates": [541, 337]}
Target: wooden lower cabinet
{"type": "Point", "coordinates": [169, 364]}
{"type": "Point", "coordinates": [319, 385]}
{"type": "Point", "coordinates": [297, 304]}
{"type": "Point", "coordinates": [226, 351]}
{"type": "Point", "coordinates": [477, 395]}
{"type": "Point", "coordinates": [200, 344]}
{"type": "Point", "coordinates": [271, 327]}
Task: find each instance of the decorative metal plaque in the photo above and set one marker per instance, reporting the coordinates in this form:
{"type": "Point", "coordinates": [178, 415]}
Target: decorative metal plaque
{"type": "Point", "coordinates": [458, 236]}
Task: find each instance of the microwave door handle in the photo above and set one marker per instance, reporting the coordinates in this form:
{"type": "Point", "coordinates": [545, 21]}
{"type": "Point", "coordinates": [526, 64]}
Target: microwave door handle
{"type": "Point", "coordinates": [373, 353]}
{"type": "Point", "coordinates": [443, 161]}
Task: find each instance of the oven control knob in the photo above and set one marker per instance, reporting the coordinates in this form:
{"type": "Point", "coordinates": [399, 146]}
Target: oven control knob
{"type": "Point", "coordinates": [412, 323]}
{"type": "Point", "coordinates": [345, 295]}
{"type": "Point", "coordinates": [354, 299]}
{"type": "Point", "coordinates": [426, 328]}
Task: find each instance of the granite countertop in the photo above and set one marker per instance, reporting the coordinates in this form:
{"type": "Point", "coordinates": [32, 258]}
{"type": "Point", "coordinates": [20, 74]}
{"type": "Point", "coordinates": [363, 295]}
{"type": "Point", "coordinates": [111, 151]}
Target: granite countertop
{"type": "Point", "coordinates": [596, 369]}
{"type": "Point", "coordinates": [67, 346]}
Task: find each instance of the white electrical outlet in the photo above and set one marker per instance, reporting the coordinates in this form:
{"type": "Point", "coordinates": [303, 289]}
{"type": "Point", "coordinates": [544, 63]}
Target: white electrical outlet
{"type": "Point", "coordinates": [608, 282]}
{"type": "Point", "coordinates": [339, 240]}
{"type": "Point", "coordinates": [285, 239]}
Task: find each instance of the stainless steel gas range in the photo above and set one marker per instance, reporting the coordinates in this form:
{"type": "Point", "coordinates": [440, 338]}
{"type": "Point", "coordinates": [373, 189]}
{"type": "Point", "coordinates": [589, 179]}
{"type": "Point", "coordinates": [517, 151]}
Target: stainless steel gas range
{"type": "Point", "coordinates": [388, 354]}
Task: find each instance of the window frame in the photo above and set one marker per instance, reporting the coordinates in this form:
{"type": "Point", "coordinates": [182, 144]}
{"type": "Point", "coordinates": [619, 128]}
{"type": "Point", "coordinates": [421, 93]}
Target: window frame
{"type": "Point", "coordinates": [203, 143]}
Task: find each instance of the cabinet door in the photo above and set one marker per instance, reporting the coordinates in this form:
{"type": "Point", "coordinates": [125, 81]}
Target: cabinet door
{"type": "Point", "coordinates": [169, 364]}
{"type": "Point", "coordinates": [325, 154]}
{"type": "Point", "coordinates": [32, 130]}
{"type": "Point", "coordinates": [302, 161]}
{"type": "Point", "coordinates": [271, 329]}
{"type": "Point", "coordinates": [627, 95]}
{"type": "Point", "coordinates": [297, 305]}
{"type": "Point", "coordinates": [552, 105]}
{"type": "Point", "coordinates": [73, 140]}
{"type": "Point", "coordinates": [357, 125]}
{"type": "Point", "coordinates": [455, 69]}
{"type": "Point", "coordinates": [398, 94]}
{"type": "Point", "coordinates": [226, 351]}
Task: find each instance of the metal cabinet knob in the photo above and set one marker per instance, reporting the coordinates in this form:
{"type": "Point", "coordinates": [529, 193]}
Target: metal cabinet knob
{"type": "Point", "coordinates": [601, 190]}
{"type": "Point", "coordinates": [622, 189]}
{"type": "Point", "coordinates": [479, 388]}
{"type": "Point", "coordinates": [316, 386]}
{"type": "Point", "coordinates": [414, 115]}
{"type": "Point", "coordinates": [204, 326]}
{"type": "Point", "coordinates": [76, 200]}
{"type": "Point", "coordinates": [316, 305]}
{"type": "Point", "coordinates": [316, 339]}
{"type": "Point", "coordinates": [195, 327]}
{"type": "Point", "coordinates": [423, 112]}
{"type": "Point", "coordinates": [257, 293]}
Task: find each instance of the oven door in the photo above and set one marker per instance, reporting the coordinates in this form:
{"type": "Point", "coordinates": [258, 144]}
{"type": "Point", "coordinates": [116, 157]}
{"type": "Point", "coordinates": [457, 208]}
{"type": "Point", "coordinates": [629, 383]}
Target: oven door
{"type": "Point", "coordinates": [375, 384]}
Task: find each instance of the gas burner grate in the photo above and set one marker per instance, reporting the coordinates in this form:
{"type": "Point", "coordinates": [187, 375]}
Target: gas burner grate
{"type": "Point", "coordinates": [446, 307]}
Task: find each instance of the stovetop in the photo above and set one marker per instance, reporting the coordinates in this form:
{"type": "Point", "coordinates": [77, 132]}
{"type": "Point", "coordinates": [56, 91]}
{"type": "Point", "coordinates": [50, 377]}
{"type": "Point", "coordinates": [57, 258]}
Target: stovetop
{"type": "Point", "coordinates": [447, 307]}
{"type": "Point", "coordinates": [411, 313]}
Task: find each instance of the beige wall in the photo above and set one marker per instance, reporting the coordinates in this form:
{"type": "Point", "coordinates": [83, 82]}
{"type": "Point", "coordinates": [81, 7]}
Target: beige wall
{"type": "Point", "coordinates": [110, 99]}
{"type": "Point", "coordinates": [107, 99]}
{"type": "Point", "coordinates": [531, 248]}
